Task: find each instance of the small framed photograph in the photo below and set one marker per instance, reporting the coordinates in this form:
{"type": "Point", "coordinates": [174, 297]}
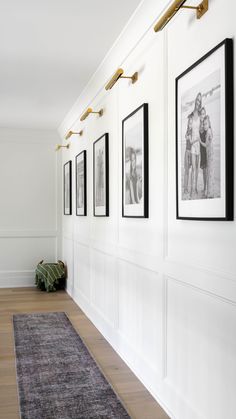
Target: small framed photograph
{"type": "Point", "coordinates": [81, 183]}
{"type": "Point", "coordinates": [101, 177]}
{"type": "Point", "coordinates": [67, 188]}
{"type": "Point", "coordinates": [204, 137]}
{"type": "Point", "coordinates": [135, 164]}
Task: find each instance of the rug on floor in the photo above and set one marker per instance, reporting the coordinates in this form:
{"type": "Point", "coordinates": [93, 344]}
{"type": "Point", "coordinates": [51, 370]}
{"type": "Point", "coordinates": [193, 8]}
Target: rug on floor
{"type": "Point", "coordinates": [57, 377]}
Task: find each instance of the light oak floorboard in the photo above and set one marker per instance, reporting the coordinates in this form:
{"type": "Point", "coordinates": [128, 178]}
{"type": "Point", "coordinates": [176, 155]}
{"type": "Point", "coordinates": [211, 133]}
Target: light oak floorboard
{"type": "Point", "coordinates": [135, 397]}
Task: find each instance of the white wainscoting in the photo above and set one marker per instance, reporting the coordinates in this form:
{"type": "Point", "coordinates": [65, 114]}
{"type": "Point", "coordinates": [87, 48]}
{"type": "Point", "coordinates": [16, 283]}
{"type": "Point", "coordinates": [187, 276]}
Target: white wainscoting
{"type": "Point", "coordinates": [29, 212]}
{"type": "Point", "coordinates": [20, 251]}
{"type": "Point", "coordinates": [10, 279]}
{"type": "Point", "coordinates": [200, 349]}
{"type": "Point", "coordinates": [177, 337]}
{"type": "Point", "coordinates": [162, 291]}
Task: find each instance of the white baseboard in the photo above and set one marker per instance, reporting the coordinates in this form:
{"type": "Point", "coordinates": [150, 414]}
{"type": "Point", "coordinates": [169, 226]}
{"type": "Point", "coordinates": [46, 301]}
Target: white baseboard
{"type": "Point", "coordinates": [15, 279]}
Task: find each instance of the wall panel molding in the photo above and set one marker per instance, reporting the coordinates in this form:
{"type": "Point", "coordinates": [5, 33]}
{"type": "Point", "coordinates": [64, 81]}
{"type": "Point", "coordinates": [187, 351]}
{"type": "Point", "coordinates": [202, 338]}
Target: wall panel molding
{"type": "Point", "coordinates": [140, 259]}
{"type": "Point", "coordinates": [147, 374]}
{"type": "Point", "coordinates": [202, 268]}
{"type": "Point", "coordinates": [201, 277]}
{"type": "Point", "coordinates": [78, 292]}
{"type": "Point", "coordinates": [9, 279]}
{"type": "Point", "coordinates": [164, 326]}
{"type": "Point", "coordinates": [167, 279]}
{"type": "Point", "coordinates": [101, 314]}
{"type": "Point", "coordinates": [36, 234]}
{"type": "Point", "coordinates": [171, 289]}
{"type": "Point", "coordinates": [200, 326]}
{"type": "Point", "coordinates": [143, 260]}
{"type": "Point", "coordinates": [67, 235]}
{"type": "Point", "coordinates": [82, 241]}
{"type": "Point", "coordinates": [203, 291]}
{"type": "Point", "coordinates": [208, 281]}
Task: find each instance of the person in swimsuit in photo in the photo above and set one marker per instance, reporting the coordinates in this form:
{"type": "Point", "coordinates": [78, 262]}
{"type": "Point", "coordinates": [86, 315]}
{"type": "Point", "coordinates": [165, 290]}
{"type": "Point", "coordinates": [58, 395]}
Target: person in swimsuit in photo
{"type": "Point", "coordinates": [188, 154]}
{"type": "Point", "coordinates": [133, 179]}
{"type": "Point", "coordinates": [208, 145]}
{"type": "Point", "coordinates": [195, 150]}
{"type": "Point", "coordinates": [203, 155]}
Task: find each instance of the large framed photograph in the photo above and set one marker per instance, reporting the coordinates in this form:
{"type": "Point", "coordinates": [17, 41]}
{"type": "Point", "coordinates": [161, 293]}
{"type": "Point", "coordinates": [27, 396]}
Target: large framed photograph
{"type": "Point", "coordinates": [204, 137]}
{"type": "Point", "coordinates": [101, 177]}
{"type": "Point", "coordinates": [81, 183]}
{"type": "Point", "coordinates": [135, 164]}
{"type": "Point", "coordinates": [67, 188]}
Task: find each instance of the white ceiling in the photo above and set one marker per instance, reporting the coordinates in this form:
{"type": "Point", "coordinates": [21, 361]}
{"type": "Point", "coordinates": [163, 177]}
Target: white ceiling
{"type": "Point", "coordinates": [49, 49]}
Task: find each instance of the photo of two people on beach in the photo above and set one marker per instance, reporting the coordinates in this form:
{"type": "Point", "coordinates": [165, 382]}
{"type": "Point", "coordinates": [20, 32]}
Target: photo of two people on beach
{"type": "Point", "coordinates": [200, 140]}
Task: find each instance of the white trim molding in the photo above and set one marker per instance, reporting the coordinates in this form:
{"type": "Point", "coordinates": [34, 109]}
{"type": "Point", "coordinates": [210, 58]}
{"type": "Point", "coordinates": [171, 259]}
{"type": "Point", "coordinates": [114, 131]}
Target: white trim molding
{"type": "Point", "coordinates": [9, 279]}
{"type": "Point", "coordinates": [27, 234]}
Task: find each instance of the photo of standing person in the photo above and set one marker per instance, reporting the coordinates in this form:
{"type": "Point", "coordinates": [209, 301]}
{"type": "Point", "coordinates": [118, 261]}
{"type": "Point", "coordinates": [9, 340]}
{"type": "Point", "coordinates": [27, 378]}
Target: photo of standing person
{"type": "Point", "coordinates": [134, 183]}
{"type": "Point", "coordinates": [204, 137]}
{"type": "Point", "coordinates": [67, 178]}
{"type": "Point", "coordinates": [81, 183]}
{"type": "Point", "coordinates": [100, 198]}
{"type": "Point", "coordinates": [134, 163]}
{"type": "Point", "coordinates": [195, 141]}
{"type": "Point", "coordinates": [210, 157]}
{"type": "Point", "coordinates": [188, 154]}
{"type": "Point", "coordinates": [206, 102]}
{"type": "Point", "coordinates": [100, 177]}
{"type": "Point", "coordinates": [203, 156]}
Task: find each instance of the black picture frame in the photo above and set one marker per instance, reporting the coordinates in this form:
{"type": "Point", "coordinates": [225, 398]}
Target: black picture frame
{"type": "Point", "coordinates": [81, 184]}
{"type": "Point", "coordinates": [132, 188]}
{"type": "Point", "coordinates": [101, 176]}
{"type": "Point", "coordinates": [67, 180]}
{"type": "Point", "coordinates": [217, 201]}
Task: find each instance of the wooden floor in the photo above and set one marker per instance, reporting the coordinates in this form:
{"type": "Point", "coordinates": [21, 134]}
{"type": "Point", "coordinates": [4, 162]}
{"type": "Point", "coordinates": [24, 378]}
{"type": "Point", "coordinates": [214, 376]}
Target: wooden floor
{"type": "Point", "coordinates": [137, 400]}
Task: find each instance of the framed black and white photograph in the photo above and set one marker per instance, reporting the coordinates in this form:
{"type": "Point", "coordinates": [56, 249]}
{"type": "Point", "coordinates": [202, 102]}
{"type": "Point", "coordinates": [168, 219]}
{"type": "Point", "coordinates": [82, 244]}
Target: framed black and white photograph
{"type": "Point", "coordinates": [101, 177]}
{"type": "Point", "coordinates": [204, 137]}
{"type": "Point", "coordinates": [67, 188]}
{"type": "Point", "coordinates": [81, 183]}
{"type": "Point", "coordinates": [135, 163]}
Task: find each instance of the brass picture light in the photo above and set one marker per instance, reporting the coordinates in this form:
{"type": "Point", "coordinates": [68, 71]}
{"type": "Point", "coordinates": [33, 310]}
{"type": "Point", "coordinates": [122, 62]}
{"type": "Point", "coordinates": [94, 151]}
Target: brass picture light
{"type": "Point", "coordinates": [201, 9]}
{"type": "Point", "coordinates": [59, 146]}
{"type": "Point", "coordinates": [70, 133]}
{"type": "Point", "coordinates": [119, 75]}
{"type": "Point", "coordinates": [88, 112]}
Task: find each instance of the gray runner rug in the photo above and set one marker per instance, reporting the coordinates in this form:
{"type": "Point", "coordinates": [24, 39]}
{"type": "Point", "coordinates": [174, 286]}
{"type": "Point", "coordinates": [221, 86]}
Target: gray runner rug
{"type": "Point", "coordinates": [57, 377]}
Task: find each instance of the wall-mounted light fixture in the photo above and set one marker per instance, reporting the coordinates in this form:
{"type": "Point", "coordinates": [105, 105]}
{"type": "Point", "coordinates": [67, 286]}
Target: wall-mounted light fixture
{"type": "Point", "coordinates": [59, 146]}
{"type": "Point", "coordinates": [70, 133]}
{"type": "Point", "coordinates": [88, 112]}
{"type": "Point", "coordinates": [201, 9]}
{"type": "Point", "coordinates": [119, 75]}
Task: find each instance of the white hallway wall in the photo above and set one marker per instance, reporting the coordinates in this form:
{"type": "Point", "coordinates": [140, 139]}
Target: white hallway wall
{"type": "Point", "coordinates": [28, 209]}
{"type": "Point", "coordinates": [161, 290]}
